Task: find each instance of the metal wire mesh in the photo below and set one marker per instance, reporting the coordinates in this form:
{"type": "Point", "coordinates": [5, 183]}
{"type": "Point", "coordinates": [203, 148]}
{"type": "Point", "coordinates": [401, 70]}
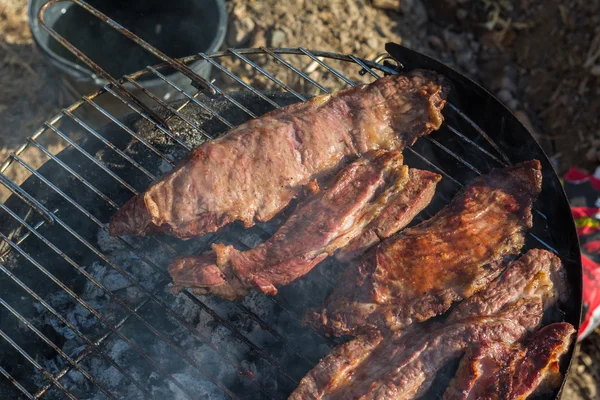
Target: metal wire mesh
{"type": "Point", "coordinates": [145, 312]}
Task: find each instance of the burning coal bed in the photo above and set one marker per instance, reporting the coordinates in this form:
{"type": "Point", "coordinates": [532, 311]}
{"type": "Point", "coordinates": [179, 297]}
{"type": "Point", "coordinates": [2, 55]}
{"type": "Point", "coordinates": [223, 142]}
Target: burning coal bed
{"type": "Point", "coordinates": [227, 342]}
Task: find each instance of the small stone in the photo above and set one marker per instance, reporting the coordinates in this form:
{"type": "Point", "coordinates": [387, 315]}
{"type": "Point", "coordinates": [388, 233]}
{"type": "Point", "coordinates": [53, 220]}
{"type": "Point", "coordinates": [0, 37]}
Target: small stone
{"type": "Point", "coordinates": [258, 38]}
{"type": "Point", "coordinates": [513, 104]}
{"type": "Point", "coordinates": [373, 43]}
{"type": "Point", "coordinates": [462, 14]}
{"type": "Point", "coordinates": [504, 96]}
{"type": "Point", "coordinates": [277, 38]}
{"type": "Point", "coordinates": [418, 11]}
{"type": "Point", "coordinates": [392, 5]}
{"type": "Point", "coordinates": [508, 84]}
{"type": "Point", "coordinates": [435, 42]}
{"type": "Point", "coordinates": [239, 31]}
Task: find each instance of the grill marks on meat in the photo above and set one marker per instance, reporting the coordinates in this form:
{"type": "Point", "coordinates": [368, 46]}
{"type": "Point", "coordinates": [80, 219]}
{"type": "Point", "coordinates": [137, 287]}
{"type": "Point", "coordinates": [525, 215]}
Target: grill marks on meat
{"type": "Point", "coordinates": [403, 366]}
{"type": "Point", "coordinates": [497, 370]}
{"type": "Point", "coordinates": [256, 169]}
{"type": "Point", "coordinates": [363, 192]}
{"type": "Point", "coordinates": [421, 271]}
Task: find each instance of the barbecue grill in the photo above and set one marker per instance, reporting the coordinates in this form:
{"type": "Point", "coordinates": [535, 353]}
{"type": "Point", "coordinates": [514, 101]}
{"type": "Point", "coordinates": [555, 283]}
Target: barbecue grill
{"type": "Point", "coordinates": [86, 315]}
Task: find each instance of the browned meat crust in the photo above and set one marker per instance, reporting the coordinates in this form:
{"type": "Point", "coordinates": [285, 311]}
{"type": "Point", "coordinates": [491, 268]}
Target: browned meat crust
{"type": "Point", "coordinates": [404, 365]}
{"type": "Point", "coordinates": [404, 369]}
{"type": "Point", "coordinates": [256, 169]}
{"type": "Point", "coordinates": [420, 272]}
{"type": "Point", "coordinates": [497, 370]}
{"type": "Point", "coordinates": [537, 273]}
{"type": "Point", "coordinates": [317, 228]}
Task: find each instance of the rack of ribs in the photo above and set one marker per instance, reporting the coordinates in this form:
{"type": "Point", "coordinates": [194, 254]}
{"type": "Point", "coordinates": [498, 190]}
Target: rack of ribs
{"type": "Point", "coordinates": [404, 364]}
{"type": "Point", "coordinates": [256, 169]}
{"type": "Point", "coordinates": [374, 186]}
{"type": "Point", "coordinates": [419, 272]}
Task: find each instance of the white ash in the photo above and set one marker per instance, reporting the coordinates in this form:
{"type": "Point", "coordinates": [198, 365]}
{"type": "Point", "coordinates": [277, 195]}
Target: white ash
{"type": "Point", "coordinates": [231, 348]}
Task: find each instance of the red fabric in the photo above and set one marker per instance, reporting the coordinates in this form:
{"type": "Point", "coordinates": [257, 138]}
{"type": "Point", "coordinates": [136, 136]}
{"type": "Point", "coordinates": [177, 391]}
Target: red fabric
{"type": "Point", "coordinates": [591, 292]}
{"type": "Point", "coordinates": [592, 247]}
{"type": "Point", "coordinates": [580, 212]}
{"type": "Point", "coordinates": [575, 175]}
{"type": "Point", "coordinates": [586, 230]}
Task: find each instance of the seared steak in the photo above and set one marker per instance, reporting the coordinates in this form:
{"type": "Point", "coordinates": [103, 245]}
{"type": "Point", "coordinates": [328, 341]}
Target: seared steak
{"type": "Point", "coordinates": [421, 271]}
{"type": "Point", "coordinates": [404, 365]}
{"type": "Point", "coordinates": [317, 228]}
{"type": "Point", "coordinates": [256, 169]}
{"type": "Point", "coordinates": [496, 370]}
{"type": "Point", "coordinates": [404, 368]}
{"type": "Point", "coordinates": [537, 273]}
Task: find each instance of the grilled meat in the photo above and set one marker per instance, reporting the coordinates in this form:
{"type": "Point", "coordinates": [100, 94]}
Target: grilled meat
{"type": "Point", "coordinates": [537, 273]}
{"type": "Point", "coordinates": [324, 223]}
{"type": "Point", "coordinates": [404, 368]}
{"type": "Point", "coordinates": [496, 370]}
{"type": "Point", "coordinates": [421, 271]}
{"type": "Point", "coordinates": [256, 169]}
{"type": "Point", "coordinates": [404, 365]}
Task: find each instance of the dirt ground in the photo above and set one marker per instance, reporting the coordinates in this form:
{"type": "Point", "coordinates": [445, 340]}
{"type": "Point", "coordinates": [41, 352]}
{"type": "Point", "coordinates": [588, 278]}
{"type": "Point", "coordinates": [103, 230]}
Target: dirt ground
{"type": "Point", "coordinates": [540, 57]}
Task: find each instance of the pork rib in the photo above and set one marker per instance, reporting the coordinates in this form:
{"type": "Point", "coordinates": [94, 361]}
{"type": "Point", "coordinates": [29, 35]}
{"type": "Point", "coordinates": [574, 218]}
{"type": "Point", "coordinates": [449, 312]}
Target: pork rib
{"type": "Point", "coordinates": [421, 271]}
{"type": "Point", "coordinates": [256, 169]}
{"type": "Point", "coordinates": [318, 227]}
{"type": "Point", "coordinates": [497, 370]}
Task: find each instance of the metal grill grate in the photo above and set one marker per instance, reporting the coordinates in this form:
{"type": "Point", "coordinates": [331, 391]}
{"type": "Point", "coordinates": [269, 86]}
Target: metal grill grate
{"type": "Point", "coordinates": [142, 337]}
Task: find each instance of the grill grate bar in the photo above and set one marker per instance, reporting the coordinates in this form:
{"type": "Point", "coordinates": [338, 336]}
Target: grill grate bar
{"type": "Point", "coordinates": [22, 238]}
{"type": "Point", "coordinates": [296, 70]}
{"type": "Point", "coordinates": [91, 346]}
{"type": "Point", "coordinates": [91, 158]}
{"type": "Point", "coordinates": [327, 66]}
{"type": "Point", "coordinates": [84, 304]}
{"type": "Point", "coordinates": [480, 131]}
{"type": "Point", "coordinates": [478, 147]}
{"type": "Point", "coordinates": [264, 326]}
{"type": "Point", "coordinates": [268, 75]}
{"type": "Point", "coordinates": [54, 347]}
{"type": "Point", "coordinates": [148, 118]}
{"type": "Point", "coordinates": [454, 155]}
{"type": "Point", "coordinates": [193, 99]}
{"type": "Point", "coordinates": [132, 280]}
{"type": "Point", "coordinates": [15, 382]}
{"type": "Point", "coordinates": [171, 109]}
{"type": "Point", "coordinates": [75, 174]}
{"type": "Point", "coordinates": [36, 365]}
{"type": "Point", "coordinates": [126, 129]}
{"type": "Point", "coordinates": [26, 197]}
{"type": "Point", "coordinates": [239, 80]}
{"type": "Point", "coordinates": [364, 66]}
{"type": "Point", "coordinates": [109, 144]}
